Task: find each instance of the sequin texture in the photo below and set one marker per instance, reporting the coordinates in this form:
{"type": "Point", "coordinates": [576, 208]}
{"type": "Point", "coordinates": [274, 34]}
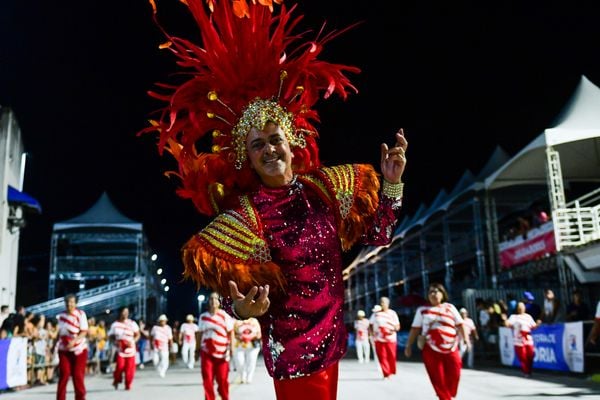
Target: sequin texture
{"type": "Point", "coordinates": [306, 331]}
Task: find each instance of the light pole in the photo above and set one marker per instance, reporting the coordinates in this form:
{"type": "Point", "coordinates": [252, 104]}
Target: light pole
{"type": "Point", "coordinates": [201, 299]}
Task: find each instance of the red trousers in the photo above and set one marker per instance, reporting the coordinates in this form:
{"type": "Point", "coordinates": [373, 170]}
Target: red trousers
{"type": "Point", "coordinates": [124, 365]}
{"type": "Point", "coordinates": [386, 353]}
{"type": "Point", "coordinates": [443, 370]}
{"type": "Point", "coordinates": [319, 386]}
{"type": "Point", "coordinates": [71, 365]}
{"type": "Point", "coordinates": [525, 355]}
{"type": "Point", "coordinates": [214, 369]}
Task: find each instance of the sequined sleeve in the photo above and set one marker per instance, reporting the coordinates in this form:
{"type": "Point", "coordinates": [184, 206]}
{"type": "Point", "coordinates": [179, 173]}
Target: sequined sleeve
{"type": "Point", "coordinates": [231, 247]}
{"type": "Point", "coordinates": [365, 216]}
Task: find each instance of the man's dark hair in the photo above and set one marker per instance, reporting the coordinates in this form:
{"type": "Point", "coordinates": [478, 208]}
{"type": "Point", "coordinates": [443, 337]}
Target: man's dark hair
{"type": "Point", "coordinates": [70, 296]}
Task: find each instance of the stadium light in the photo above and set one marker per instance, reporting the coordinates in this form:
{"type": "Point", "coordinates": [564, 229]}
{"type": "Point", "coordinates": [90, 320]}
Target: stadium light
{"type": "Point", "coordinates": [154, 257]}
{"type": "Point", "coordinates": [159, 271]}
{"type": "Point", "coordinates": [166, 288]}
{"type": "Point", "coordinates": [163, 281]}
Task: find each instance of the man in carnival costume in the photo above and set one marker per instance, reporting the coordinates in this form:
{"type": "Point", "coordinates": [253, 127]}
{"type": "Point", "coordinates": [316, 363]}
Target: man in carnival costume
{"type": "Point", "coordinates": [281, 220]}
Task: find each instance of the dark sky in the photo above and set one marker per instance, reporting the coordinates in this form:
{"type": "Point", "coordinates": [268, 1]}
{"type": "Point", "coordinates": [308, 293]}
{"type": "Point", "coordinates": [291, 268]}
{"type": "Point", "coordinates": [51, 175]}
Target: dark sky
{"type": "Point", "coordinates": [460, 77]}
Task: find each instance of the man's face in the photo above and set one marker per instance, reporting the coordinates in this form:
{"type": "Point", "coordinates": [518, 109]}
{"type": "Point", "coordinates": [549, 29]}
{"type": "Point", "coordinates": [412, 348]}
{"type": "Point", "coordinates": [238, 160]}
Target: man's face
{"type": "Point", "coordinates": [270, 155]}
{"type": "Point", "coordinates": [71, 304]}
{"type": "Point", "coordinates": [213, 301]}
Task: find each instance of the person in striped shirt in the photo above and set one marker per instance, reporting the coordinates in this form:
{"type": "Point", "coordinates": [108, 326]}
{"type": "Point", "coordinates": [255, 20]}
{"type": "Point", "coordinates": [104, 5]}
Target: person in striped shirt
{"type": "Point", "coordinates": [467, 347]}
{"type": "Point", "coordinates": [522, 324]}
{"type": "Point", "coordinates": [384, 326]}
{"type": "Point", "coordinates": [361, 329]}
{"type": "Point", "coordinates": [124, 333]}
{"type": "Point", "coordinates": [187, 340]}
{"type": "Point", "coordinates": [162, 340]}
{"type": "Point", "coordinates": [246, 347]}
{"type": "Point", "coordinates": [72, 349]}
{"type": "Point", "coordinates": [443, 328]}
{"type": "Point", "coordinates": [216, 338]}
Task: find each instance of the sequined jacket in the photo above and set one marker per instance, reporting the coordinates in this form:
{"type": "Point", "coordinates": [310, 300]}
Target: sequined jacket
{"type": "Point", "coordinates": [292, 238]}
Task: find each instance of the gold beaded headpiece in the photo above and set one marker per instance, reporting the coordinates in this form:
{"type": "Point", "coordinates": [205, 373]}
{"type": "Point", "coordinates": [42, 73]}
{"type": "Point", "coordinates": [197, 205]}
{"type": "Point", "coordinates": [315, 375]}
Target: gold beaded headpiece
{"type": "Point", "coordinates": [249, 70]}
{"type": "Point", "coordinates": [256, 115]}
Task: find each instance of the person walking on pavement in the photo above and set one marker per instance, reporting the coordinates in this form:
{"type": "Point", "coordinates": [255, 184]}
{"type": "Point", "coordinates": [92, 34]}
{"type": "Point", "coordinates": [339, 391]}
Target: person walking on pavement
{"type": "Point", "coordinates": [187, 340]}
{"type": "Point", "coordinates": [385, 324]}
{"type": "Point", "coordinates": [216, 339]}
{"type": "Point", "coordinates": [162, 340]}
{"type": "Point", "coordinates": [467, 347]}
{"type": "Point", "coordinates": [361, 338]}
{"type": "Point", "coordinates": [72, 349]}
{"type": "Point", "coordinates": [439, 324]}
{"type": "Point", "coordinates": [522, 324]}
{"type": "Point", "coordinates": [124, 333]}
{"type": "Point", "coordinates": [246, 348]}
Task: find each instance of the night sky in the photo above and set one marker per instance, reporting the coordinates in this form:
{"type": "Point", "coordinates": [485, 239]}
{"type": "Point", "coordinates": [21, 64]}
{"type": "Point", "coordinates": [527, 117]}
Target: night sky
{"type": "Point", "coordinates": [460, 77]}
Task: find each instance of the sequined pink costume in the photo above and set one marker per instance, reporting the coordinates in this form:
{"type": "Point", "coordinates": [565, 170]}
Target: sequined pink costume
{"type": "Point", "coordinates": [305, 226]}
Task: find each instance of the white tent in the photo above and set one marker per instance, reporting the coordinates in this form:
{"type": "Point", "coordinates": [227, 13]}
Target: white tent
{"type": "Point", "coordinates": [102, 214]}
{"type": "Point", "coordinates": [576, 137]}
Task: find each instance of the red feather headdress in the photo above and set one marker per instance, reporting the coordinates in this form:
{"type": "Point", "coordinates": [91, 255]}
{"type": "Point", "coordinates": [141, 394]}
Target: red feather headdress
{"type": "Point", "coordinates": [249, 69]}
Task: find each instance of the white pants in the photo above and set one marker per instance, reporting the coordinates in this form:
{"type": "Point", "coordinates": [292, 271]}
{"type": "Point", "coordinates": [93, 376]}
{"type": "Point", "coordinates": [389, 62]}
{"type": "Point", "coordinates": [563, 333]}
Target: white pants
{"type": "Point", "coordinates": [160, 359]}
{"type": "Point", "coordinates": [469, 351]}
{"type": "Point", "coordinates": [363, 350]}
{"type": "Point", "coordinates": [245, 362]}
{"type": "Point", "coordinates": [188, 351]}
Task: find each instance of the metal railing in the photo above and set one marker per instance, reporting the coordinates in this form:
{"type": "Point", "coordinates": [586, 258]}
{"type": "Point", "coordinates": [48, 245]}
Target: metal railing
{"type": "Point", "coordinates": [576, 226]}
{"type": "Point", "coordinates": [95, 299]}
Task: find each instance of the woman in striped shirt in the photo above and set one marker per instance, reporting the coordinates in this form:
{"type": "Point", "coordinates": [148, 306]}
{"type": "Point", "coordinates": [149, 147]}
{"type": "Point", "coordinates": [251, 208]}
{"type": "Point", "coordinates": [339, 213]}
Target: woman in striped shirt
{"type": "Point", "coordinates": [440, 323]}
{"type": "Point", "coordinates": [72, 348]}
{"type": "Point", "coordinates": [521, 324]}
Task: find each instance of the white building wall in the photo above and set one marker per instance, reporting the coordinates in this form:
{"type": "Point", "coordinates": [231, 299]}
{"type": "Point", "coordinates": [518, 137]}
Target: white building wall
{"type": "Point", "coordinates": [11, 151]}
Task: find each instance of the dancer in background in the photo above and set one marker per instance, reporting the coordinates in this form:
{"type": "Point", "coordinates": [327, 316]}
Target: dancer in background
{"type": "Point", "coordinates": [384, 325]}
{"type": "Point", "coordinates": [216, 339]}
{"type": "Point", "coordinates": [522, 324]}
{"type": "Point", "coordinates": [443, 329]}
{"type": "Point", "coordinates": [361, 338]}
{"type": "Point", "coordinates": [246, 348]}
{"type": "Point", "coordinates": [467, 346]}
{"type": "Point", "coordinates": [72, 349]}
{"type": "Point", "coordinates": [162, 339]}
{"type": "Point", "coordinates": [124, 333]}
{"type": "Point", "coordinates": [187, 340]}
{"type": "Point", "coordinates": [142, 342]}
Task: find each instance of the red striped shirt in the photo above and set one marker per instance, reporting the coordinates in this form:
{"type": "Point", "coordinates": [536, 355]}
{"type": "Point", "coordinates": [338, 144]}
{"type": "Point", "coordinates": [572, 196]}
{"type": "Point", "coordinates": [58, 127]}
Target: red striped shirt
{"type": "Point", "coordinates": [439, 325]}
{"type": "Point", "coordinates": [124, 333]}
{"type": "Point", "coordinates": [215, 331]}
{"type": "Point", "coordinates": [69, 326]}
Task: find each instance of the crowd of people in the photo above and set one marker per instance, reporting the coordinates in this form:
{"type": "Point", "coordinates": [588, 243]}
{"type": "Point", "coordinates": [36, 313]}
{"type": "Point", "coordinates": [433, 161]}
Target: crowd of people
{"type": "Point", "coordinates": [71, 346]}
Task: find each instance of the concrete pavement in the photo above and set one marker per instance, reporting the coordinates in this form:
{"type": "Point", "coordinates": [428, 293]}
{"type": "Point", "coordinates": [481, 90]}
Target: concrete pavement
{"type": "Point", "coordinates": [356, 382]}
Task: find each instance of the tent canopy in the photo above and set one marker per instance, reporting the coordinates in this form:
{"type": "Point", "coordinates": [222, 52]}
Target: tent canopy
{"type": "Point", "coordinates": [101, 214]}
{"type": "Point", "coordinates": [576, 136]}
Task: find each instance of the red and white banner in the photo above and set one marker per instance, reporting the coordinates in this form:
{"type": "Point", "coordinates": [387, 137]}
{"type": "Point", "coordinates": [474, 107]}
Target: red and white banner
{"type": "Point", "coordinates": [540, 242]}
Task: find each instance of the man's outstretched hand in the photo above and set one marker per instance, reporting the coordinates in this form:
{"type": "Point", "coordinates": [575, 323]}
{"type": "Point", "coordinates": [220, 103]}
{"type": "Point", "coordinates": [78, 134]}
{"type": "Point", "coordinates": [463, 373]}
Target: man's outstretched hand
{"type": "Point", "coordinates": [253, 304]}
{"type": "Point", "coordinates": [393, 160]}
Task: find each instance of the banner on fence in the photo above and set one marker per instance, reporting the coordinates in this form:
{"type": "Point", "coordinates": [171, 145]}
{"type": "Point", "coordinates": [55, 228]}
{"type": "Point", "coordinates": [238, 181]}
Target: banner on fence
{"type": "Point", "coordinates": [557, 347]}
{"type": "Point", "coordinates": [13, 362]}
{"type": "Point", "coordinates": [539, 242]}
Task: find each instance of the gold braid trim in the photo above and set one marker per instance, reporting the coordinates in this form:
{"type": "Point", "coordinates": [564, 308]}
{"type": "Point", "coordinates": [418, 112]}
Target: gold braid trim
{"type": "Point", "coordinates": [354, 189]}
{"type": "Point", "coordinates": [230, 249]}
{"type": "Point", "coordinates": [365, 201]}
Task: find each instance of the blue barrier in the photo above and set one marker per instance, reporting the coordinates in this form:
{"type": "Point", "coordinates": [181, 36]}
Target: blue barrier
{"type": "Point", "coordinates": [557, 347]}
{"type": "Point", "coordinates": [13, 362]}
